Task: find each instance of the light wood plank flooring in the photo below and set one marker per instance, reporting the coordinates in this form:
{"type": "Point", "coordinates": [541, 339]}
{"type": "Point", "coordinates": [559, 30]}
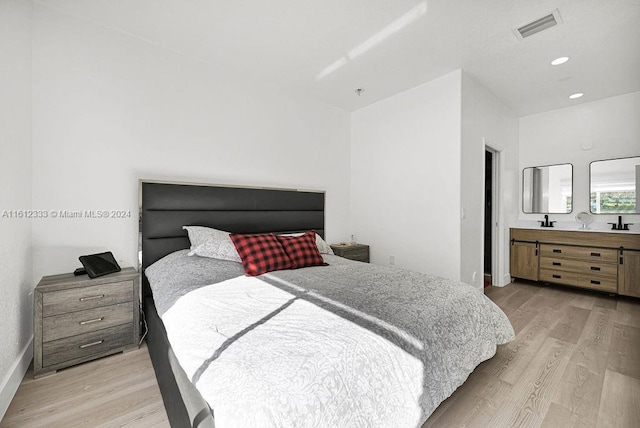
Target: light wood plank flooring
{"type": "Point", "coordinates": [575, 362]}
{"type": "Point", "coordinates": [115, 391]}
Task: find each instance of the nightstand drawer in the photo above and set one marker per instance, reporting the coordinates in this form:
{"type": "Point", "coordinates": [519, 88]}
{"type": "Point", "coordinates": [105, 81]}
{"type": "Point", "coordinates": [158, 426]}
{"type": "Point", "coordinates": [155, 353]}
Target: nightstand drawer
{"type": "Point", "coordinates": [87, 344]}
{"type": "Point", "coordinates": [72, 324]}
{"type": "Point", "coordinates": [357, 252]}
{"type": "Point", "coordinates": [78, 299]}
{"type": "Point", "coordinates": [361, 254]}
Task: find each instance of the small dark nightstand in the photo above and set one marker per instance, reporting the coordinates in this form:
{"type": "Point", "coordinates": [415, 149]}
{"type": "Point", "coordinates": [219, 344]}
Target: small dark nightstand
{"type": "Point", "coordinates": [77, 319]}
{"type": "Point", "coordinates": [358, 252]}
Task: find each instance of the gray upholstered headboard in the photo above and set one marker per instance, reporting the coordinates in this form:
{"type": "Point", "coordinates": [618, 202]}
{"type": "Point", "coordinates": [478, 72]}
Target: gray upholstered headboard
{"type": "Point", "coordinates": [166, 207]}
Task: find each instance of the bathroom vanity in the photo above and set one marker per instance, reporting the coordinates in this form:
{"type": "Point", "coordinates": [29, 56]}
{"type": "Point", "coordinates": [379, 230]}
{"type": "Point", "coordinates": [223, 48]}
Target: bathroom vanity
{"type": "Point", "coordinates": [603, 261]}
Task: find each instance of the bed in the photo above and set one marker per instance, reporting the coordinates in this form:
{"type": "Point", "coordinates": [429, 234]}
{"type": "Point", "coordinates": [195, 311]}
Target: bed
{"type": "Point", "coordinates": [348, 344]}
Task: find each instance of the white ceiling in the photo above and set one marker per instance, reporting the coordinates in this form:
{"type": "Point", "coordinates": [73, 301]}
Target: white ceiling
{"type": "Point", "coordinates": [325, 49]}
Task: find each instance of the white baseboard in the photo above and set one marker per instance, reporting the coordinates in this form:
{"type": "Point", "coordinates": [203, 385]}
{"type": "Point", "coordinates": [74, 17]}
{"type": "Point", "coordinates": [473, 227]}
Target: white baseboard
{"type": "Point", "coordinates": [14, 376]}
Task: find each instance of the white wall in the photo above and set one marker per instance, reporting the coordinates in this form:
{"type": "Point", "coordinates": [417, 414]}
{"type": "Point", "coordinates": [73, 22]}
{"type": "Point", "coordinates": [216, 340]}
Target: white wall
{"type": "Point", "coordinates": [405, 177]}
{"type": "Point", "coordinates": [15, 180]}
{"type": "Point", "coordinates": [486, 120]}
{"type": "Point", "coordinates": [110, 109]}
{"type": "Point", "coordinates": [608, 128]}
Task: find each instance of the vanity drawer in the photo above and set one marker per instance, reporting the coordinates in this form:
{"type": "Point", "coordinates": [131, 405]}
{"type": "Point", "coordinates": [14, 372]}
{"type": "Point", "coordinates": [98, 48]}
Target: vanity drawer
{"type": "Point", "coordinates": [582, 253]}
{"type": "Point", "coordinates": [84, 345]}
{"type": "Point", "coordinates": [81, 298]}
{"type": "Point", "coordinates": [75, 323]}
{"type": "Point", "coordinates": [600, 283]}
{"type": "Point", "coordinates": [578, 266]}
{"type": "Point", "coordinates": [552, 275]}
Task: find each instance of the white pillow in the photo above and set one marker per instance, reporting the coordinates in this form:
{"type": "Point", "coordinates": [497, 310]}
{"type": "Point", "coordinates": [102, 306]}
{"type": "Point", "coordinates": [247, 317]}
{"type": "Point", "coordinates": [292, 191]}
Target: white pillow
{"type": "Point", "coordinates": [322, 245]}
{"type": "Point", "coordinates": [212, 243]}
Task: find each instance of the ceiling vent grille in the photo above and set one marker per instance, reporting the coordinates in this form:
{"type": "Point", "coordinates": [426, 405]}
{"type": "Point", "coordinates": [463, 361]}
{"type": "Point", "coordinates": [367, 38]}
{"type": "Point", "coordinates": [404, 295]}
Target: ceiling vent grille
{"type": "Point", "coordinates": [538, 25]}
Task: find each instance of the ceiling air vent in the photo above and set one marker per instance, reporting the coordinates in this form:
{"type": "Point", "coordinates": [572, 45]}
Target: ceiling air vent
{"type": "Point", "coordinates": [538, 25]}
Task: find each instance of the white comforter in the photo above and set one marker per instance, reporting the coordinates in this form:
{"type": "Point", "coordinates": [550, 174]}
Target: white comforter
{"type": "Point", "coordinates": [282, 351]}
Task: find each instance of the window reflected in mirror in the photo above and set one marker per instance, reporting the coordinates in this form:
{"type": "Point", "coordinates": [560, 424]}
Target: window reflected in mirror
{"type": "Point", "coordinates": [547, 189]}
{"type": "Point", "coordinates": [613, 185]}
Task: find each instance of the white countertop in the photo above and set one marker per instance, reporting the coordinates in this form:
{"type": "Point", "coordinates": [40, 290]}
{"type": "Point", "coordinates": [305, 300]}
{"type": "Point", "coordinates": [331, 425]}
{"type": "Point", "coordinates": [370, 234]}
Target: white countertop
{"type": "Point", "coordinates": [572, 226]}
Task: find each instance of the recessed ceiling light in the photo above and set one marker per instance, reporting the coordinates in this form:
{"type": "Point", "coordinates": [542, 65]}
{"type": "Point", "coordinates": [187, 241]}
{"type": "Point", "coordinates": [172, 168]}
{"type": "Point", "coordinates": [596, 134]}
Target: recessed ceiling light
{"type": "Point", "coordinates": [560, 60]}
{"type": "Point", "coordinates": [576, 95]}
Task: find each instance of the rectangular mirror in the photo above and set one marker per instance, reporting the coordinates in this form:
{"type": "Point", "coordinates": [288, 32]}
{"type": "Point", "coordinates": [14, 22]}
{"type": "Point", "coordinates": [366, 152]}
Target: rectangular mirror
{"type": "Point", "coordinates": [613, 185]}
{"type": "Point", "coordinates": [547, 189]}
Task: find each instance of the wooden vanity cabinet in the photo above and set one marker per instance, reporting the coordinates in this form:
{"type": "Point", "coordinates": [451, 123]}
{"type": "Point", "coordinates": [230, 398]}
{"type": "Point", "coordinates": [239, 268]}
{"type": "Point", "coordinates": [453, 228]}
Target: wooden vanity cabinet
{"type": "Point", "coordinates": [603, 261]}
{"type": "Point", "coordinates": [587, 267]}
{"type": "Point", "coordinates": [629, 273]}
{"type": "Point", "coordinates": [524, 260]}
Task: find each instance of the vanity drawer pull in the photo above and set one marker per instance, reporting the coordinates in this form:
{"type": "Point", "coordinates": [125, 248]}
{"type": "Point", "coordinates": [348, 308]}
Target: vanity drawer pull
{"type": "Point", "coordinates": [557, 251]}
{"type": "Point", "coordinates": [91, 321]}
{"type": "Point", "coordinates": [91, 344]}
{"type": "Point", "coordinates": [595, 268]}
{"type": "Point", "coordinates": [595, 254]}
{"type": "Point", "coordinates": [593, 281]}
{"type": "Point", "coordinates": [557, 264]}
{"type": "Point", "coordinates": [84, 299]}
{"type": "Point", "coordinates": [557, 276]}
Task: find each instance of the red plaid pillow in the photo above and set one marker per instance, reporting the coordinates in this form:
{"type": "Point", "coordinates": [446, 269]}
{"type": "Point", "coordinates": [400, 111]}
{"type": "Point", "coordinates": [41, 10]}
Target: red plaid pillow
{"type": "Point", "coordinates": [302, 250]}
{"type": "Point", "coordinates": [261, 253]}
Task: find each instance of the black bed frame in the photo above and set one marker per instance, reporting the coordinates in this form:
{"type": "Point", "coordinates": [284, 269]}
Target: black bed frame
{"type": "Point", "coordinates": [165, 208]}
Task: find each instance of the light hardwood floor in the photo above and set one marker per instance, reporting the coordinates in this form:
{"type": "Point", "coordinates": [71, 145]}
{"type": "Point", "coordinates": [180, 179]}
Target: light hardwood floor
{"type": "Point", "coordinates": [575, 362]}
{"type": "Point", "coordinates": [115, 391]}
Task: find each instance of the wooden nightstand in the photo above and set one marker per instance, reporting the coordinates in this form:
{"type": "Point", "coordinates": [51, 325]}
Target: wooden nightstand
{"type": "Point", "coordinates": [77, 319]}
{"type": "Point", "coordinates": [357, 252]}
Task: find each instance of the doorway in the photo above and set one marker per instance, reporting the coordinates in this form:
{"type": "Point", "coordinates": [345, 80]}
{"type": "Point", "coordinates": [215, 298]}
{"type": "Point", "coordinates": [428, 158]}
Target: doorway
{"type": "Point", "coordinates": [488, 217]}
{"type": "Point", "coordinates": [493, 242]}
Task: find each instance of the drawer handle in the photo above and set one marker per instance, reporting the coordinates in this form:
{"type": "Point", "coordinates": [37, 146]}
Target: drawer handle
{"type": "Point", "coordinates": [595, 254]}
{"type": "Point", "coordinates": [84, 299]}
{"type": "Point", "coordinates": [557, 251]}
{"type": "Point", "coordinates": [91, 344]}
{"type": "Point", "coordinates": [595, 268]}
{"type": "Point", "coordinates": [557, 264]}
{"type": "Point", "coordinates": [91, 321]}
{"type": "Point", "coordinates": [557, 276]}
{"type": "Point", "coordinates": [593, 281]}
